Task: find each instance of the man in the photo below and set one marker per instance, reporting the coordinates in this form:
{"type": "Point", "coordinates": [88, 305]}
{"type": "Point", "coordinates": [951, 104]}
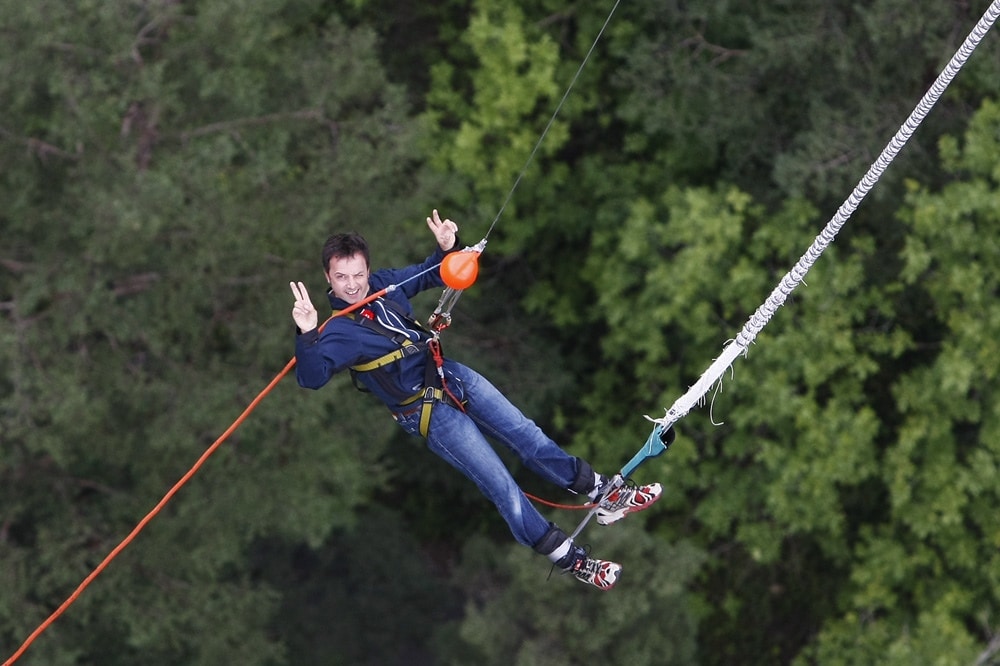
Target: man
{"type": "Point", "coordinates": [391, 355]}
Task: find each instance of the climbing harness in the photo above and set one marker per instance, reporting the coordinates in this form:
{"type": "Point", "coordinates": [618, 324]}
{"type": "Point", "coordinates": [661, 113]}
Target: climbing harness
{"type": "Point", "coordinates": [435, 387]}
{"type": "Point", "coordinates": [436, 394]}
{"type": "Point", "coordinates": [376, 368]}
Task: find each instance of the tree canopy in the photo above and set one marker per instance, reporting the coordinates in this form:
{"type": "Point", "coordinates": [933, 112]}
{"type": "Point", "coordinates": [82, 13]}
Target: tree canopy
{"type": "Point", "coordinates": [167, 168]}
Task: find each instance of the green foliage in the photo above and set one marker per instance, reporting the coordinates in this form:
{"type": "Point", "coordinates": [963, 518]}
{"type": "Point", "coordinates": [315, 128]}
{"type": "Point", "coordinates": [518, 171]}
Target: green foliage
{"type": "Point", "coordinates": [372, 594]}
{"type": "Point", "coordinates": [798, 96]}
{"type": "Point", "coordinates": [514, 616]}
{"type": "Point", "coordinates": [168, 169]}
{"type": "Point", "coordinates": [493, 107]}
{"type": "Point", "coordinates": [924, 588]}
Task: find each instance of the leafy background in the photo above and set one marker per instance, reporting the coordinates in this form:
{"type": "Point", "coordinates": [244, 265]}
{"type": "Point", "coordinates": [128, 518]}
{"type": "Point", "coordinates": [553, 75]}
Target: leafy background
{"type": "Point", "coordinates": [167, 167]}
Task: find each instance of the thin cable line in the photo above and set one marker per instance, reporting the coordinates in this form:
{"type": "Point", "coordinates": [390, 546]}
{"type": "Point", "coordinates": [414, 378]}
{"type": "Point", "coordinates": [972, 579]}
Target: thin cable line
{"type": "Point", "coordinates": [552, 120]}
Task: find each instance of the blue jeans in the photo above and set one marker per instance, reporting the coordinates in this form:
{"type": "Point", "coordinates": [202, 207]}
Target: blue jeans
{"type": "Point", "coordinates": [458, 438]}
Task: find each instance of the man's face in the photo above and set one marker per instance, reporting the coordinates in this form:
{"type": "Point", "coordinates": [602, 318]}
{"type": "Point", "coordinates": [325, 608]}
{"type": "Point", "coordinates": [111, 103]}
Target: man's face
{"type": "Point", "coordinates": [348, 277]}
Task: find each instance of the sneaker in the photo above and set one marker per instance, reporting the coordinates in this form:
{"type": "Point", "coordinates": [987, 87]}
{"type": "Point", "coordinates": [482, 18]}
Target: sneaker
{"type": "Point", "coordinates": [625, 500]}
{"type": "Point", "coordinates": [602, 574]}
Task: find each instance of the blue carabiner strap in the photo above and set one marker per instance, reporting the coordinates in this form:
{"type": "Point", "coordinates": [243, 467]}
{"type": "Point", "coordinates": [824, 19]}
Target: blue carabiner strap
{"type": "Point", "coordinates": [659, 441]}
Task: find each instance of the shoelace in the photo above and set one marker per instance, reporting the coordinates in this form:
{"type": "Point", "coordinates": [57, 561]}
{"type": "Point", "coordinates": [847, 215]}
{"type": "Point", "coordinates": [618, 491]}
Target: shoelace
{"type": "Point", "coordinates": [586, 567]}
{"type": "Point", "coordinates": [592, 571]}
{"type": "Point", "coordinates": [622, 496]}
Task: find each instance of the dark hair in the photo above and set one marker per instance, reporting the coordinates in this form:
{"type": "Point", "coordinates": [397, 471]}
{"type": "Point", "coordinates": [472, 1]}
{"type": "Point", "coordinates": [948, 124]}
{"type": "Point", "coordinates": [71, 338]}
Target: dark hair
{"type": "Point", "coordinates": [341, 246]}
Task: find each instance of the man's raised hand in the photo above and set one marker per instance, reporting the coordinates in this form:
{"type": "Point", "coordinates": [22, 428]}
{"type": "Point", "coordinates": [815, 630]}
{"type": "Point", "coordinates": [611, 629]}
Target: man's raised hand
{"type": "Point", "coordinates": [303, 311]}
{"type": "Point", "coordinates": [446, 231]}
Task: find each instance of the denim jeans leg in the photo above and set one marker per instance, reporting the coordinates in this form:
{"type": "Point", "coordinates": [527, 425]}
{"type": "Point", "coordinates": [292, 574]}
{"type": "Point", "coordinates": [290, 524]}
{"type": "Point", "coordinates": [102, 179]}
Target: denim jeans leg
{"type": "Point", "coordinates": [500, 419]}
{"type": "Point", "coordinates": [455, 438]}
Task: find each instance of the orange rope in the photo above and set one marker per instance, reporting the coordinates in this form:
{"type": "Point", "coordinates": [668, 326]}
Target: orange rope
{"type": "Point", "coordinates": [435, 346]}
{"type": "Point", "coordinates": [187, 477]}
{"type": "Point", "coordinates": [170, 493]}
{"type": "Point", "coordinates": [568, 507]}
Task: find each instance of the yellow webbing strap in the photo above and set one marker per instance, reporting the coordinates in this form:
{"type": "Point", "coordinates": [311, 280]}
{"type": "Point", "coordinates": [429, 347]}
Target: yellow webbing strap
{"type": "Point", "coordinates": [391, 357]}
{"type": "Point", "coordinates": [431, 395]}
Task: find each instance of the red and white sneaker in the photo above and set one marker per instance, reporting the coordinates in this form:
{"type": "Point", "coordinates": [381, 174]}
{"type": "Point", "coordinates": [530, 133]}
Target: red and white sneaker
{"type": "Point", "coordinates": [625, 500]}
{"type": "Point", "coordinates": [602, 574]}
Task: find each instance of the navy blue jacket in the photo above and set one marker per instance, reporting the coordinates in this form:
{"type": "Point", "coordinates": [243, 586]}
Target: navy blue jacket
{"type": "Point", "coordinates": [345, 341]}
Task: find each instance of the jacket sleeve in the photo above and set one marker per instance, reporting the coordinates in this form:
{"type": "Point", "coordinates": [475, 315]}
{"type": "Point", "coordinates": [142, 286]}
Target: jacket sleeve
{"type": "Point", "coordinates": [427, 280]}
{"type": "Point", "coordinates": [312, 370]}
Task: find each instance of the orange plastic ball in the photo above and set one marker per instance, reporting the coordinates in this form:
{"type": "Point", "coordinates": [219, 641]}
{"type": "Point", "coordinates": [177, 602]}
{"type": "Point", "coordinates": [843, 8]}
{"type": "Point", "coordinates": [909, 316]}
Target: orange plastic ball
{"type": "Point", "coordinates": [459, 270]}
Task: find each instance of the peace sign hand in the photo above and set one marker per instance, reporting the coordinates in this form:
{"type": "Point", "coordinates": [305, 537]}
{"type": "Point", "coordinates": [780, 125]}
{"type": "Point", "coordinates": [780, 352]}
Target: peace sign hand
{"type": "Point", "coordinates": [445, 231]}
{"type": "Point", "coordinates": [303, 311]}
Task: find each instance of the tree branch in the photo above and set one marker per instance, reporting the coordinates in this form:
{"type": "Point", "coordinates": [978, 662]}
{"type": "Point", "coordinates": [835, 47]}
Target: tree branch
{"type": "Point", "coordinates": [230, 125]}
{"type": "Point", "coordinates": [13, 265]}
{"type": "Point", "coordinates": [722, 54]}
{"type": "Point", "coordinates": [41, 148]}
{"type": "Point", "coordinates": [135, 284]}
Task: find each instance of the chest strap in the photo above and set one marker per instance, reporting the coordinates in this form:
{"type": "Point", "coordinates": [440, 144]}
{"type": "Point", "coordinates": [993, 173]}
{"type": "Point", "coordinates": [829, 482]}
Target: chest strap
{"type": "Point", "coordinates": [435, 388]}
{"type": "Point", "coordinates": [407, 349]}
{"type": "Point", "coordinates": [406, 346]}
